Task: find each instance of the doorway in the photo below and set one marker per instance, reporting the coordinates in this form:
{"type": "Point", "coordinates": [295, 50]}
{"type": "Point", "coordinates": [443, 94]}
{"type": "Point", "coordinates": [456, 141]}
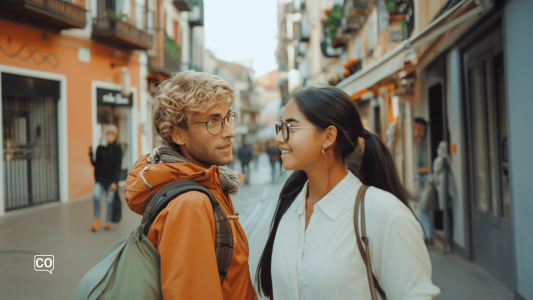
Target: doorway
{"type": "Point", "coordinates": [30, 141]}
{"type": "Point", "coordinates": [484, 82]}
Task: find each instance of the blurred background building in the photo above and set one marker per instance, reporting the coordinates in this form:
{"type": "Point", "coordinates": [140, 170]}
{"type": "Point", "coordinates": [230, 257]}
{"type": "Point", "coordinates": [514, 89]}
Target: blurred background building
{"type": "Point", "coordinates": [455, 63]}
{"type": "Point", "coordinates": [69, 68]}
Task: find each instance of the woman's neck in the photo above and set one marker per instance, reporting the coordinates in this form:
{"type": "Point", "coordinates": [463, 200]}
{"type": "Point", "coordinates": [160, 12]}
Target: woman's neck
{"type": "Point", "coordinates": [324, 178]}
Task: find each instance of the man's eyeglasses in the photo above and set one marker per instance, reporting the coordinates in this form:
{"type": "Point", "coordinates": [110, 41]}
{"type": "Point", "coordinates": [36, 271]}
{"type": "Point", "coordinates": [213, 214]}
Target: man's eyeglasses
{"type": "Point", "coordinates": [215, 124]}
{"type": "Point", "coordinates": [286, 129]}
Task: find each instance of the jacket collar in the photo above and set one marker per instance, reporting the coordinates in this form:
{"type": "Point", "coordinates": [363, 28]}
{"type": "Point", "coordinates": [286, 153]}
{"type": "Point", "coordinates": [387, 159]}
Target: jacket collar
{"type": "Point", "coordinates": [158, 175]}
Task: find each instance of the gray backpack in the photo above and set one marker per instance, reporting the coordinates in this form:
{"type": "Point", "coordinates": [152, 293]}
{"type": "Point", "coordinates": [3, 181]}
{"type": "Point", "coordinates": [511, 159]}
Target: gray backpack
{"type": "Point", "coordinates": [130, 269]}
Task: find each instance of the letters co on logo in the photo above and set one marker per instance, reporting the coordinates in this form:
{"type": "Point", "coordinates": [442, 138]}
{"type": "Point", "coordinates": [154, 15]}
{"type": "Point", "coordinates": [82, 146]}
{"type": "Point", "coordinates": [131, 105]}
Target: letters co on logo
{"type": "Point", "coordinates": [43, 263]}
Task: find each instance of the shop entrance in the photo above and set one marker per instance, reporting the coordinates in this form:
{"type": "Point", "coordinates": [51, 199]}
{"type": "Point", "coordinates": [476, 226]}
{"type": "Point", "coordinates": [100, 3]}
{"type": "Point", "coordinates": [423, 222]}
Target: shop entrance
{"type": "Point", "coordinates": [30, 141]}
{"type": "Point", "coordinates": [488, 161]}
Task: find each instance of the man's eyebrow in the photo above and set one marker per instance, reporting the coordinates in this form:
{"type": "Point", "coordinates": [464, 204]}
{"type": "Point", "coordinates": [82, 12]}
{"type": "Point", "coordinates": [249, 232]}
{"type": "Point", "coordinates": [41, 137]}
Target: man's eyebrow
{"type": "Point", "coordinates": [218, 115]}
{"type": "Point", "coordinates": [214, 115]}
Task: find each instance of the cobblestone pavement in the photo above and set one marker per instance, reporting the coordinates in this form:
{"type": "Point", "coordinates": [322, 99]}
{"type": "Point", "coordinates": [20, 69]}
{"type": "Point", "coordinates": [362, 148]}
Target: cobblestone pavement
{"type": "Point", "coordinates": [63, 230]}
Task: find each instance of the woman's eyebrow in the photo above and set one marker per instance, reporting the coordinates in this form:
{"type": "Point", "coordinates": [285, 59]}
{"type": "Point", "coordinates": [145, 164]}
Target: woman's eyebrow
{"type": "Point", "coordinates": [292, 120]}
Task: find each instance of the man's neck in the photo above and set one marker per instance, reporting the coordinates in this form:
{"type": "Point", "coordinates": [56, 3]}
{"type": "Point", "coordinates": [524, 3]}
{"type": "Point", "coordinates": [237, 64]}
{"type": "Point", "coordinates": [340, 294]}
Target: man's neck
{"type": "Point", "coordinates": [186, 154]}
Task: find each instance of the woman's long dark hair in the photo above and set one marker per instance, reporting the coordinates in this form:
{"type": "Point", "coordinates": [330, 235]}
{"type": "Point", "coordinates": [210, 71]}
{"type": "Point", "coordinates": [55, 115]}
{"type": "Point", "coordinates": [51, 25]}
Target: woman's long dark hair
{"type": "Point", "coordinates": [324, 107]}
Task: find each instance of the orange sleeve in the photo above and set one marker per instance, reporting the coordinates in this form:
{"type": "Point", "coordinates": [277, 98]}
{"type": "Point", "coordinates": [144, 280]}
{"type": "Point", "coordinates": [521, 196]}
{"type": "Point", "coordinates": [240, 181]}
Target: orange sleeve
{"type": "Point", "coordinates": [185, 233]}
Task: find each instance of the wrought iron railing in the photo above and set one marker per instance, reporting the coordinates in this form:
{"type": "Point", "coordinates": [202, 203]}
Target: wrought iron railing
{"type": "Point", "coordinates": [57, 14]}
{"type": "Point", "coordinates": [74, 8]}
{"type": "Point", "coordinates": [133, 21]}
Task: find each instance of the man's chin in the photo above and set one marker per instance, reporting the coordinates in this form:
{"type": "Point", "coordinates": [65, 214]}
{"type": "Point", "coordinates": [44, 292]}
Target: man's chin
{"type": "Point", "coordinates": [220, 161]}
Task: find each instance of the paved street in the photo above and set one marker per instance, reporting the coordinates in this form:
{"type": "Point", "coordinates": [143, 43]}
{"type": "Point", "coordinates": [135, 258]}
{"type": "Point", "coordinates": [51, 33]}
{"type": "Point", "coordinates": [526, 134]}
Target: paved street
{"type": "Point", "coordinates": [63, 230]}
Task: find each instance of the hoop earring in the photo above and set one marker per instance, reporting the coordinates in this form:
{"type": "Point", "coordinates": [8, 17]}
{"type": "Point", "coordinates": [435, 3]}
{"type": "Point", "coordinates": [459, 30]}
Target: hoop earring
{"type": "Point", "coordinates": [323, 152]}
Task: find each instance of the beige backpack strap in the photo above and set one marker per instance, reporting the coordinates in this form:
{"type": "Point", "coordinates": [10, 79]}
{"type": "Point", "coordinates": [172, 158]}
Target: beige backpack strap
{"type": "Point", "coordinates": [365, 251]}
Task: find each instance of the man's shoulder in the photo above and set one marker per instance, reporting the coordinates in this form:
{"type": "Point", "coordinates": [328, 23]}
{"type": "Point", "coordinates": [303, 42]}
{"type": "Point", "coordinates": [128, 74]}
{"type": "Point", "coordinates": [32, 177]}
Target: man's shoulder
{"type": "Point", "coordinates": [190, 201]}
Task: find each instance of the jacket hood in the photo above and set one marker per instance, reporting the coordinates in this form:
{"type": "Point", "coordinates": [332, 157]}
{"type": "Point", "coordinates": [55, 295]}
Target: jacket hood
{"type": "Point", "coordinates": [158, 175]}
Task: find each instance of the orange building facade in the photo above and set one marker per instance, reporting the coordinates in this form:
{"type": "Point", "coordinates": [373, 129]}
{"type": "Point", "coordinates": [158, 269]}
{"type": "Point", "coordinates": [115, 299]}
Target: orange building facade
{"type": "Point", "coordinates": [79, 80]}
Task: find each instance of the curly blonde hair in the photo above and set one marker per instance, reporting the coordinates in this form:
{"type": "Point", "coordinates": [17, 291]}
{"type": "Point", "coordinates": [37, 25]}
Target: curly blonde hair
{"type": "Point", "coordinates": [184, 94]}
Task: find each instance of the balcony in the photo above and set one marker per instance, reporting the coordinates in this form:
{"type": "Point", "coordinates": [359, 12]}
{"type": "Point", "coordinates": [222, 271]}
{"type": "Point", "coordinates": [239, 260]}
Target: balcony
{"type": "Point", "coordinates": [53, 14]}
{"type": "Point", "coordinates": [182, 5]}
{"type": "Point", "coordinates": [356, 12]}
{"type": "Point", "coordinates": [196, 15]}
{"type": "Point", "coordinates": [167, 55]}
{"type": "Point", "coordinates": [121, 27]}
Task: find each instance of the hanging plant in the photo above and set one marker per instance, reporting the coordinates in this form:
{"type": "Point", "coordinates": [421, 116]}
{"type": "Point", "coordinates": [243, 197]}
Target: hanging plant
{"type": "Point", "coordinates": [333, 21]}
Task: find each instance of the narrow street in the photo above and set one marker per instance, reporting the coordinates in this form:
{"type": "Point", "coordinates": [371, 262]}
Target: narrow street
{"type": "Point", "coordinates": [63, 230]}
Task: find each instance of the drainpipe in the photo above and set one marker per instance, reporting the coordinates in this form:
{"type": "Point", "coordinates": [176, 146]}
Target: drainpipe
{"type": "Point", "coordinates": [314, 41]}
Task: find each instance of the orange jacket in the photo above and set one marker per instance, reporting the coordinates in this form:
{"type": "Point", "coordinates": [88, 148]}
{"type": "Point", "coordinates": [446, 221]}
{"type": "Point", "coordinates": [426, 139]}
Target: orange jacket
{"type": "Point", "coordinates": [184, 234]}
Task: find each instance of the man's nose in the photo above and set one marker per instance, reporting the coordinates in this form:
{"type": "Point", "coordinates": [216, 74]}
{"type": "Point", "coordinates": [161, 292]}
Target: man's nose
{"type": "Point", "coordinates": [227, 131]}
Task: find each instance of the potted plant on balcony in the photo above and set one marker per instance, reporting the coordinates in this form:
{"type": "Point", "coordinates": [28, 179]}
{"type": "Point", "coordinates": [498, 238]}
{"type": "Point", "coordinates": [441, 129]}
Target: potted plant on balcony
{"type": "Point", "coordinates": [114, 16]}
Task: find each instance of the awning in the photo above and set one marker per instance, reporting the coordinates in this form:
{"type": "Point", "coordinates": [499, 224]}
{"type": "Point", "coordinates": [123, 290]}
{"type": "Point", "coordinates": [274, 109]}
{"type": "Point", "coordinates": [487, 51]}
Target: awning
{"type": "Point", "coordinates": [385, 66]}
{"type": "Point", "coordinates": [393, 61]}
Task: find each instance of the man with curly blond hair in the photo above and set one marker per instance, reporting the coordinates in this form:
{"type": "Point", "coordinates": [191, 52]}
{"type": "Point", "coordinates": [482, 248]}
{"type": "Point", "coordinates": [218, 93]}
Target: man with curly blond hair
{"type": "Point", "coordinates": [192, 113]}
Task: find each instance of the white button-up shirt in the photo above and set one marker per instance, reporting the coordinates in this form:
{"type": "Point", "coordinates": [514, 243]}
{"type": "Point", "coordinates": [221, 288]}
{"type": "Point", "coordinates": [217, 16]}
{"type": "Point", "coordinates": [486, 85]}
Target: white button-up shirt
{"type": "Point", "coordinates": [324, 262]}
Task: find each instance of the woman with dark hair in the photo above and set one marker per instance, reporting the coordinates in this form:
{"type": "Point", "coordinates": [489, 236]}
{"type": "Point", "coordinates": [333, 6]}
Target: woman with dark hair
{"type": "Point", "coordinates": [312, 251]}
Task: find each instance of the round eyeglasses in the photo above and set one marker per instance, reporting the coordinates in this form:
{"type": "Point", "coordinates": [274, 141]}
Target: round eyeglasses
{"type": "Point", "coordinates": [215, 124]}
{"type": "Point", "coordinates": [286, 128]}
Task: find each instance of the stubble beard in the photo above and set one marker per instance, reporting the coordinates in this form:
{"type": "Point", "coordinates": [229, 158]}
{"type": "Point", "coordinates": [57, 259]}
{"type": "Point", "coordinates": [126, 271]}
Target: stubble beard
{"type": "Point", "coordinates": [201, 154]}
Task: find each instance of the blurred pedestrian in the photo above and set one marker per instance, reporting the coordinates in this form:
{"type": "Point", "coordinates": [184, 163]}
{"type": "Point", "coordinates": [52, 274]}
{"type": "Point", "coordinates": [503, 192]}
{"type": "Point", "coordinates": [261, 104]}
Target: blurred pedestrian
{"type": "Point", "coordinates": [274, 155]}
{"type": "Point", "coordinates": [257, 149]}
{"type": "Point", "coordinates": [107, 168]}
{"type": "Point", "coordinates": [423, 174]}
{"type": "Point", "coordinates": [318, 204]}
{"type": "Point", "coordinates": [245, 156]}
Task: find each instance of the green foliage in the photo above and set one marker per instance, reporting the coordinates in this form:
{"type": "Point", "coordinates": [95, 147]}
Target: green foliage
{"type": "Point", "coordinates": [333, 21]}
{"type": "Point", "coordinates": [113, 15]}
{"type": "Point", "coordinates": [391, 6]}
{"type": "Point", "coordinates": [172, 49]}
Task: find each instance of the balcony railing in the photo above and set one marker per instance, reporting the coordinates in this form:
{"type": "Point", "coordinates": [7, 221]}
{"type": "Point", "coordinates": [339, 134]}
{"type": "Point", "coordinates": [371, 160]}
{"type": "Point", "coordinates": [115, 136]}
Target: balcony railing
{"type": "Point", "coordinates": [356, 12]}
{"type": "Point", "coordinates": [54, 14]}
{"type": "Point", "coordinates": [182, 5]}
{"type": "Point", "coordinates": [167, 55]}
{"type": "Point", "coordinates": [125, 26]}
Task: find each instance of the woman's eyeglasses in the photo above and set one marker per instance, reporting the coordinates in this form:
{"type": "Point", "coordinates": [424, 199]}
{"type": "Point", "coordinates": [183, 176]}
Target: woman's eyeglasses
{"type": "Point", "coordinates": [286, 129]}
{"type": "Point", "coordinates": [215, 124]}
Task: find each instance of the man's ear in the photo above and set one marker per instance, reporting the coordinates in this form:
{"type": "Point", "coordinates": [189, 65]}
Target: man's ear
{"type": "Point", "coordinates": [179, 135]}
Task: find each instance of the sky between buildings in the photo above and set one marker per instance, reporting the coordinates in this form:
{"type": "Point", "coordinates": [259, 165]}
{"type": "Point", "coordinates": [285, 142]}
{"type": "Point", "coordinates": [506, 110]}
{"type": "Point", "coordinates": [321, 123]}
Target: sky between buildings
{"type": "Point", "coordinates": [239, 30]}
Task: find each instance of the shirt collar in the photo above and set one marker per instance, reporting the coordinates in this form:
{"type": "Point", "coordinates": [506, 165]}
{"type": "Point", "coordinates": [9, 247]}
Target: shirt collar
{"type": "Point", "coordinates": [336, 200]}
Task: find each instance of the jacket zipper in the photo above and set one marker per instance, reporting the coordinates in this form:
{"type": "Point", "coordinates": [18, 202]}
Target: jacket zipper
{"type": "Point", "coordinates": [240, 234]}
{"type": "Point", "coordinates": [235, 223]}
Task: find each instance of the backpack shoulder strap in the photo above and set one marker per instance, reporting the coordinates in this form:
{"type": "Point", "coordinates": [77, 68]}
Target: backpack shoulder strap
{"type": "Point", "coordinates": [224, 235]}
{"type": "Point", "coordinates": [365, 251]}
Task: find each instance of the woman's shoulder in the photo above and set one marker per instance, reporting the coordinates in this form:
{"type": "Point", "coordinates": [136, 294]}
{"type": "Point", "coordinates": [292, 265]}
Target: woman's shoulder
{"type": "Point", "coordinates": [383, 205]}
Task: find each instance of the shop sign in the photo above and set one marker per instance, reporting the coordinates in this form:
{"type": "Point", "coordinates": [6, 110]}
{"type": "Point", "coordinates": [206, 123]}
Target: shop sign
{"type": "Point", "coordinates": [113, 97]}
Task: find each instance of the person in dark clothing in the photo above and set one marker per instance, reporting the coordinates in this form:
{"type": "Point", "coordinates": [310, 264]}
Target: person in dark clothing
{"type": "Point", "coordinates": [107, 167]}
{"type": "Point", "coordinates": [245, 155]}
{"type": "Point", "coordinates": [275, 155]}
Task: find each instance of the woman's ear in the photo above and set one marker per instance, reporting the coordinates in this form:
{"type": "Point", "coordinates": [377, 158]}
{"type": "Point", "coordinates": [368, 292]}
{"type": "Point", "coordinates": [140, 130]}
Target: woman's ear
{"type": "Point", "coordinates": [331, 136]}
{"type": "Point", "coordinates": [178, 135]}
